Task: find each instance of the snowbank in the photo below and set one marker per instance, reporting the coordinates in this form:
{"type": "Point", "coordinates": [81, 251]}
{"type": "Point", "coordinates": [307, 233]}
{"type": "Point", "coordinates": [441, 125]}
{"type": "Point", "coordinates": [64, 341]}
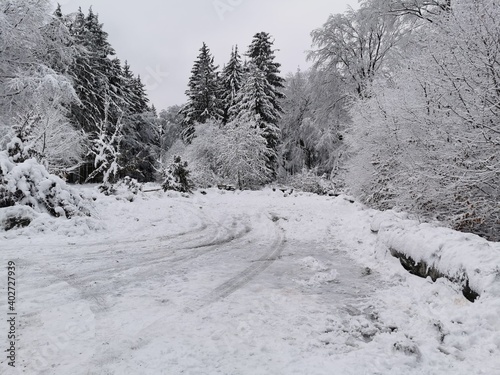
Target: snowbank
{"type": "Point", "coordinates": [466, 258]}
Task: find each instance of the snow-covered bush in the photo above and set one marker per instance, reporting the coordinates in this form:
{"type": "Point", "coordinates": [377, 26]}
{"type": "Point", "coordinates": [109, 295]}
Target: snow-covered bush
{"type": "Point", "coordinates": [16, 217]}
{"type": "Point", "coordinates": [127, 188]}
{"type": "Point", "coordinates": [176, 177]}
{"type": "Point", "coordinates": [308, 181]}
{"type": "Point", "coordinates": [27, 183]}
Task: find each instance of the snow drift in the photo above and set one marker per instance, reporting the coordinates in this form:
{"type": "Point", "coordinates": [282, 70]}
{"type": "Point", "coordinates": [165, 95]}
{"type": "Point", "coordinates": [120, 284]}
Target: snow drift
{"type": "Point", "coordinates": [464, 258]}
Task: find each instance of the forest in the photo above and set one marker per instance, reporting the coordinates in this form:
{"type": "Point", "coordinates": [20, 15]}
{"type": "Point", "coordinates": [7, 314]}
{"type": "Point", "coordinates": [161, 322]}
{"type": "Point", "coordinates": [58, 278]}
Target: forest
{"type": "Point", "coordinates": [400, 109]}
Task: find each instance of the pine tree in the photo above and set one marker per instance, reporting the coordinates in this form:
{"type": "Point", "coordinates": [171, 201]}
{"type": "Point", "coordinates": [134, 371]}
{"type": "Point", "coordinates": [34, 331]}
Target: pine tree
{"type": "Point", "coordinates": [261, 54]}
{"type": "Point", "coordinates": [135, 92]}
{"type": "Point", "coordinates": [58, 11]}
{"type": "Point", "coordinates": [261, 93]}
{"type": "Point", "coordinates": [231, 81]}
{"type": "Point", "coordinates": [90, 72]}
{"type": "Point", "coordinates": [142, 99]}
{"type": "Point", "coordinates": [138, 149]}
{"type": "Point", "coordinates": [203, 94]}
{"type": "Point", "coordinates": [111, 96]}
{"type": "Point", "coordinates": [254, 103]}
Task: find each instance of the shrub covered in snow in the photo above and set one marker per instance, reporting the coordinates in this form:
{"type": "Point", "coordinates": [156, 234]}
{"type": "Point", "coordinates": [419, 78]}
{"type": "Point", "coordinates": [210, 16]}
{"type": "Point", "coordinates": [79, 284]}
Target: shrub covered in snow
{"type": "Point", "coordinates": [176, 177]}
{"type": "Point", "coordinates": [27, 183]}
{"type": "Point", "coordinates": [126, 188]}
{"type": "Point", "coordinates": [16, 217]}
{"type": "Point", "coordinates": [308, 181]}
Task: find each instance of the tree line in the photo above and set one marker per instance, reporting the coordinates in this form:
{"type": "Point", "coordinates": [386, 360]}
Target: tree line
{"type": "Point", "coordinates": [230, 123]}
{"type": "Point", "coordinates": [422, 78]}
{"type": "Point", "coordinates": [63, 93]}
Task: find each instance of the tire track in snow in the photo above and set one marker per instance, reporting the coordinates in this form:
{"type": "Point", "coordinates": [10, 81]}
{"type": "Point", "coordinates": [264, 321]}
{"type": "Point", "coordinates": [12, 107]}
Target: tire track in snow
{"type": "Point", "coordinates": [248, 274]}
{"type": "Point", "coordinates": [95, 283]}
{"type": "Point", "coordinates": [233, 284]}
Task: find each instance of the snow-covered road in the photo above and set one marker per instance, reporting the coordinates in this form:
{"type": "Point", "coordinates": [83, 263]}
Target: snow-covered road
{"type": "Point", "coordinates": [223, 283]}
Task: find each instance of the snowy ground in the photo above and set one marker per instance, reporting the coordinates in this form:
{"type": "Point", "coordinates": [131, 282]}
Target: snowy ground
{"type": "Point", "coordinates": [235, 283]}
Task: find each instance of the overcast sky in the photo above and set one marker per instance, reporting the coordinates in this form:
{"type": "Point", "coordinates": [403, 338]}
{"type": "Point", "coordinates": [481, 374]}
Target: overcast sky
{"type": "Point", "coordinates": [161, 38]}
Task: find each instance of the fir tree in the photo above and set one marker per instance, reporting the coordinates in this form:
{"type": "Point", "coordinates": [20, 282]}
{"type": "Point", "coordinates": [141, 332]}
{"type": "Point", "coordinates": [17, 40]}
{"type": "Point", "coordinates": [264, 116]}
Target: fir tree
{"type": "Point", "coordinates": [90, 72]}
{"type": "Point", "coordinates": [111, 96]}
{"type": "Point", "coordinates": [262, 55]}
{"type": "Point", "coordinates": [58, 12]}
{"type": "Point", "coordinates": [261, 93]}
{"type": "Point", "coordinates": [153, 110]}
{"type": "Point", "coordinates": [136, 96]}
{"type": "Point", "coordinates": [231, 80]}
{"type": "Point", "coordinates": [142, 100]}
{"type": "Point", "coordinates": [254, 103]}
{"type": "Point", "coordinates": [138, 154]}
{"type": "Point", "coordinates": [203, 94]}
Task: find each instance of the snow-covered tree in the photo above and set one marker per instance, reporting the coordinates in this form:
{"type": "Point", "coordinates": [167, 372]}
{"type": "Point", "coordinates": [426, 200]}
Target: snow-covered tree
{"type": "Point", "coordinates": [314, 119]}
{"type": "Point", "coordinates": [139, 149]}
{"type": "Point", "coordinates": [242, 156]}
{"type": "Point", "coordinates": [34, 90]}
{"type": "Point", "coordinates": [93, 73]}
{"type": "Point", "coordinates": [134, 92]}
{"type": "Point", "coordinates": [231, 82]}
{"type": "Point", "coordinates": [254, 104]}
{"type": "Point", "coordinates": [176, 177]}
{"type": "Point", "coordinates": [261, 54]}
{"type": "Point", "coordinates": [170, 126]}
{"type": "Point", "coordinates": [357, 44]}
{"type": "Point", "coordinates": [203, 94]}
{"type": "Point", "coordinates": [423, 9]}
{"type": "Point", "coordinates": [428, 139]}
{"type": "Point", "coordinates": [106, 151]}
{"type": "Point", "coordinates": [259, 98]}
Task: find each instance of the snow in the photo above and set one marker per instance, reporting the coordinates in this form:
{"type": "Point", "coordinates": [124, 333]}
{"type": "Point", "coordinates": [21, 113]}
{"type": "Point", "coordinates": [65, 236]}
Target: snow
{"type": "Point", "coordinates": [246, 283]}
{"type": "Point", "coordinates": [451, 252]}
{"type": "Point", "coordinates": [28, 183]}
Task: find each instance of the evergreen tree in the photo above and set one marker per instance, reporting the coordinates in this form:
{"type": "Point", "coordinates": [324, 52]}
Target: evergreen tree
{"type": "Point", "coordinates": [111, 96]}
{"type": "Point", "coordinates": [254, 103]}
{"type": "Point", "coordinates": [231, 80]}
{"type": "Point", "coordinates": [58, 12]}
{"type": "Point", "coordinates": [140, 143]}
{"type": "Point", "coordinates": [261, 93]}
{"type": "Point", "coordinates": [262, 55]}
{"type": "Point", "coordinates": [203, 94]}
{"type": "Point", "coordinates": [153, 110]}
{"type": "Point", "coordinates": [142, 100]}
{"type": "Point", "coordinates": [90, 72]}
{"type": "Point", "coordinates": [258, 99]}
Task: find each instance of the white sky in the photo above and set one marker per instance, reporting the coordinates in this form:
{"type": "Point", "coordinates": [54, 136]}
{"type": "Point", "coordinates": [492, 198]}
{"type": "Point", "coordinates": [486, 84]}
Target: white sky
{"type": "Point", "coordinates": [161, 38]}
